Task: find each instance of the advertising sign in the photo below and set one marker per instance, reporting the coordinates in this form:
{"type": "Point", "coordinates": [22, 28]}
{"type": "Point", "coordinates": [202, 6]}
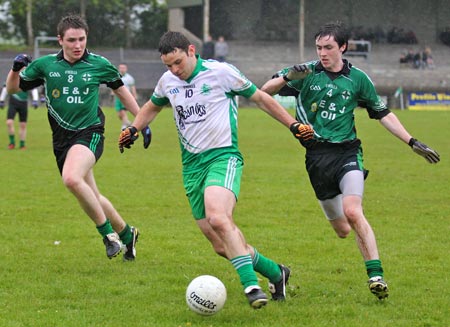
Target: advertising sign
{"type": "Point", "coordinates": [429, 100]}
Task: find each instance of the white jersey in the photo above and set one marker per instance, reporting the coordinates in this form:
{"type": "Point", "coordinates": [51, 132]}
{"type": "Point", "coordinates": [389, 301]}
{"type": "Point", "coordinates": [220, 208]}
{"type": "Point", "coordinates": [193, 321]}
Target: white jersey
{"type": "Point", "coordinates": [205, 108]}
{"type": "Point", "coordinates": [128, 81]}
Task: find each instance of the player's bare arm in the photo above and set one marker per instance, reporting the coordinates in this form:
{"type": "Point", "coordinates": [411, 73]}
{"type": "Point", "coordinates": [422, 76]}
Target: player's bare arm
{"type": "Point", "coordinates": [274, 85]}
{"type": "Point", "coordinates": [272, 107]}
{"type": "Point", "coordinates": [393, 125]}
{"type": "Point", "coordinates": [133, 91]}
{"type": "Point", "coordinates": [130, 134]}
{"type": "Point", "coordinates": [296, 72]}
{"type": "Point", "coordinates": [127, 99]}
{"type": "Point", "coordinates": [146, 115]}
{"type": "Point", "coordinates": [12, 82]}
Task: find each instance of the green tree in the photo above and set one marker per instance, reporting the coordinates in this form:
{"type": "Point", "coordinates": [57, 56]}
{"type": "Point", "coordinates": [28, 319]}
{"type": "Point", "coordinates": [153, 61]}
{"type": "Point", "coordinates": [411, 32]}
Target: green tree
{"type": "Point", "coordinates": [153, 23]}
{"type": "Point", "coordinates": [113, 23]}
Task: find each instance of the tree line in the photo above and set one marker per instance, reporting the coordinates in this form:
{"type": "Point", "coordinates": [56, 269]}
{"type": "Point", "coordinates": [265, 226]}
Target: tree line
{"type": "Point", "coordinates": [112, 23]}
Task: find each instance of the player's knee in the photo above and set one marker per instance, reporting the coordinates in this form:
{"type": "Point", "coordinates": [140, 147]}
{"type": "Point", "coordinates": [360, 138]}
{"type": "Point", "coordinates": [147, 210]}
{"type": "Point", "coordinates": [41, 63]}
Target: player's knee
{"type": "Point", "coordinates": [220, 224]}
{"type": "Point", "coordinates": [70, 182]}
{"type": "Point", "coordinates": [353, 214]}
{"type": "Point", "coordinates": [343, 232]}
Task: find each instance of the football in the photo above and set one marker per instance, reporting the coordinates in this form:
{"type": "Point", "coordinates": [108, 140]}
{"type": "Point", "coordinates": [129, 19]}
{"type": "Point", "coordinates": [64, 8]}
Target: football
{"type": "Point", "coordinates": [206, 295]}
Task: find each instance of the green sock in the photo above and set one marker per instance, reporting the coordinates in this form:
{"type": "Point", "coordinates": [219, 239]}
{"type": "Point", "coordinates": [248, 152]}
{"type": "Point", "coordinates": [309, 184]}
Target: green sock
{"type": "Point", "coordinates": [125, 235]}
{"type": "Point", "coordinates": [244, 267]}
{"type": "Point", "coordinates": [105, 228]}
{"type": "Point", "coordinates": [12, 139]}
{"type": "Point", "coordinates": [266, 267]}
{"type": "Point", "coordinates": [22, 143]}
{"type": "Point", "coordinates": [374, 268]}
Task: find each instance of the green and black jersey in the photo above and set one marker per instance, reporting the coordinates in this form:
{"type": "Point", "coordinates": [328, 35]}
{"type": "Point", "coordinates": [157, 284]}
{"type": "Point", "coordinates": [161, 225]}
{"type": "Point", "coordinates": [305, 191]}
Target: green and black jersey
{"type": "Point", "coordinates": [71, 90]}
{"type": "Point", "coordinates": [327, 100]}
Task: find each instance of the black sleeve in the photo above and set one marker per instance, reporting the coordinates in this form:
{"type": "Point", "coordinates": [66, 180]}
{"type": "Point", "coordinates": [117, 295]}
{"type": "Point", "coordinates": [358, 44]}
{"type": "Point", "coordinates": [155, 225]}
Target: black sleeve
{"type": "Point", "coordinates": [29, 85]}
{"type": "Point", "coordinates": [374, 114]}
{"type": "Point", "coordinates": [115, 85]}
{"type": "Point", "coordinates": [286, 91]}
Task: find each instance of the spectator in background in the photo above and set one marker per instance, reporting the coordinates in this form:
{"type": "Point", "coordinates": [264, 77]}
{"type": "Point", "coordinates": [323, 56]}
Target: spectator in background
{"type": "Point", "coordinates": [221, 49]}
{"type": "Point", "coordinates": [427, 58]}
{"type": "Point", "coordinates": [208, 48]}
{"type": "Point", "coordinates": [403, 60]}
{"type": "Point", "coordinates": [18, 104]}
{"type": "Point", "coordinates": [410, 37]}
{"type": "Point", "coordinates": [417, 60]}
{"type": "Point", "coordinates": [398, 35]}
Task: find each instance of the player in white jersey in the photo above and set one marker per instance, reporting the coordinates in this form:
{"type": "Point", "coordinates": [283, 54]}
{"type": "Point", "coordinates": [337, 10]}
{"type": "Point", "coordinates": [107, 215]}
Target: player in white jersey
{"type": "Point", "coordinates": [203, 97]}
{"type": "Point", "coordinates": [129, 82]}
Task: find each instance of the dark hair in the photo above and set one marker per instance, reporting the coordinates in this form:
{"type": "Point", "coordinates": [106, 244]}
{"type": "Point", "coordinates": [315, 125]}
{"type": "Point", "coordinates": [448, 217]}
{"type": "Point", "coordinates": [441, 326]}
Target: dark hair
{"type": "Point", "coordinates": [171, 41]}
{"type": "Point", "coordinates": [337, 30]}
{"type": "Point", "coordinates": [71, 21]}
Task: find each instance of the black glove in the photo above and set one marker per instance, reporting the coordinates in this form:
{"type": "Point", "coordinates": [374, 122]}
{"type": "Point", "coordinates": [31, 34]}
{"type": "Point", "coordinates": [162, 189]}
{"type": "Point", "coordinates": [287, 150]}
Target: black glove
{"type": "Point", "coordinates": [302, 131]}
{"type": "Point", "coordinates": [35, 104]}
{"type": "Point", "coordinates": [147, 135]}
{"type": "Point", "coordinates": [296, 72]}
{"type": "Point", "coordinates": [422, 149]}
{"type": "Point", "coordinates": [20, 61]}
{"type": "Point", "coordinates": [127, 138]}
{"type": "Point", "coordinates": [2, 104]}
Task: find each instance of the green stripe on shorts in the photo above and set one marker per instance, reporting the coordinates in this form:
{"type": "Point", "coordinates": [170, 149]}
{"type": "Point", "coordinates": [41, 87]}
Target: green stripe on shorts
{"type": "Point", "coordinates": [94, 141]}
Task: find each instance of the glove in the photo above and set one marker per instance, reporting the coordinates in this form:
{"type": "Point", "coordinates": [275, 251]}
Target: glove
{"type": "Point", "coordinates": [127, 138]}
{"type": "Point", "coordinates": [35, 104]}
{"type": "Point", "coordinates": [2, 104]}
{"type": "Point", "coordinates": [147, 135]}
{"type": "Point", "coordinates": [422, 149]}
{"type": "Point", "coordinates": [302, 131]}
{"type": "Point", "coordinates": [20, 61]}
{"type": "Point", "coordinates": [296, 72]}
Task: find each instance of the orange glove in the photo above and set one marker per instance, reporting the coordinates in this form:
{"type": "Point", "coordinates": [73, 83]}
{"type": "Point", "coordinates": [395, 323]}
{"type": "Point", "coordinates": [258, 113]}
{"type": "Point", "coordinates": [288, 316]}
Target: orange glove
{"type": "Point", "coordinates": [127, 138]}
{"type": "Point", "coordinates": [302, 131]}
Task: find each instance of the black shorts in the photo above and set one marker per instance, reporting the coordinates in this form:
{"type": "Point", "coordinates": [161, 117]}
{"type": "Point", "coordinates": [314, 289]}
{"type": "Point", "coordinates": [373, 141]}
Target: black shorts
{"type": "Point", "coordinates": [63, 140]}
{"type": "Point", "coordinates": [327, 163]}
{"type": "Point", "coordinates": [19, 107]}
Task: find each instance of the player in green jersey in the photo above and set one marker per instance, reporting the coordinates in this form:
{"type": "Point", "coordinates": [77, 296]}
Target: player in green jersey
{"type": "Point", "coordinates": [202, 95]}
{"type": "Point", "coordinates": [18, 104]}
{"type": "Point", "coordinates": [328, 91]}
{"type": "Point", "coordinates": [72, 78]}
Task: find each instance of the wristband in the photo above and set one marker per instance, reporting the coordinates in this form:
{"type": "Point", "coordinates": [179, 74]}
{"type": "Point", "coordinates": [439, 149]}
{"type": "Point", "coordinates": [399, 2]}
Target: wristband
{"type": "Point", "coordinates": [412, 141]}
{"type": "Point", "coordinates": [133, 130]}
{"type": "Point", "coordinates": [286, 79]}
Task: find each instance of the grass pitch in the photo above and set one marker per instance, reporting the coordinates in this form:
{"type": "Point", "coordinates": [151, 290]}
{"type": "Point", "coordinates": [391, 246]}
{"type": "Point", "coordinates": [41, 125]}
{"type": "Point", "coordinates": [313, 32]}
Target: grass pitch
{"type": "Point", "coordinates": [54, 271]}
